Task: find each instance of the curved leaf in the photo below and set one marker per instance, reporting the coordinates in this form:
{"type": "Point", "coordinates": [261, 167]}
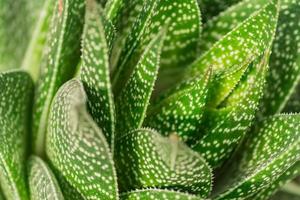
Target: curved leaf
{"type": "Point", "coordinates": [285, 60]}
{"type": "Point", "coordinates": [157, 194]}
{"type": "Point", "coordinates": [253, 36]}
{"type": "Point", "coordinates": [58, 64]}
{"type": "Point", "coordinates": [266, 156]}
{"type": "Point", "coordinates": [77, 149]}
{"type": "Point", "coordinates": [182, 110]}
{"type": "Point", "coordinates": [145, 159]}
{"type": "Point", "coordinates": [16, 90]}
{"type": "Point", "coordinates": [181, 37]}
{"type": "Point", "coordinates": [224, 127]}
{"type": "Point", "coordinates": [42, 182]}
{"type": "Point", "coordinates": [95, 71]}
{"type": "Point", "coordinates": [134, 98]}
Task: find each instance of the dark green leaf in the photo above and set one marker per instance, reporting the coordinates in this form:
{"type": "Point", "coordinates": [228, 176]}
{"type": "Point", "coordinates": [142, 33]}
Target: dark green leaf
{"type": "Point", "coordinates": [134, 98]}
{"type": "Point", "coordinates": [265, 156]}
{"type": "Point", "coordinates": [77, 149]}
{"type": "Point", "coordinates": [181, 111]}
{"type": "Point", "coordinates": [16, 90]}
{"type": "Point", "coordinates": [42, 182]}
{"type": "Point", "coordinates": [285, 59]}
{"type": "Point", "coordinates": [157, 194]}
{"type": "Point", "coordinates": [95, 71]}
{"type": "Point", "coordinates": [146, 159]}
{"type": "Point", "coordinates": [59, 62]}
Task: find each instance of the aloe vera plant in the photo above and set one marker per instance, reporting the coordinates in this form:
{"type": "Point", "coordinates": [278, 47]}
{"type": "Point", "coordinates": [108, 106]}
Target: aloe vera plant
{"type": "Point", "coordinates": [149, 99]}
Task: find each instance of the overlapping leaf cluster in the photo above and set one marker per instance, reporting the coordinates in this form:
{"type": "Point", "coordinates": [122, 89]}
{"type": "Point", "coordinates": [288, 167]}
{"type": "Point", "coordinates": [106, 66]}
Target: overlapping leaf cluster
{"type": "Point", "coordinates": [140, 100]}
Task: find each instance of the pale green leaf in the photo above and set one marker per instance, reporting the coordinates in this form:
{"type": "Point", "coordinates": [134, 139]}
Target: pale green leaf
{"type": "Point", "coordinates": [58, 64]}
{"type": "Point", "coordinates": [181, 111]}
{"type": "Point", "coordinates": [251, 37]}
{"type": "Point", "coordinates": [285, 59]}
{"type": "Point", "coordinates": [16, 90]}
{"type": "Point", "coordinates": [146, 159]}
{"type": "Point", "coordinates": [95, 71]}
{"type": "Point", "coordinates": [42, 182]}
{"type": "Point", "coordinates": [224, 127]}
{"type": "Point", "coordinates": [132, 103]}
{"type": "Point", "coordinates": [265, 156]}
{"type": "Point", "coordinates": [157, 194]}
{"type": "Point", "coordinates": [77, 149]}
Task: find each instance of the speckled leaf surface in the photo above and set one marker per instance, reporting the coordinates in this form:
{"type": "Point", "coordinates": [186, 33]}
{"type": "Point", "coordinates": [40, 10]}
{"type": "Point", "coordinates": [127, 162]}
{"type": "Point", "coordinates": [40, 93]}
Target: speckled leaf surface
{"type": "Point", "coordinates": [134, 98]}
{"type": "Point", "coordinates": [16, 91]}
{"type": "Point", "coordinates": [225, 126]}
{"type": "Point", "coordinates": [95, 71]}
{"type": "Point", "coordinates": [42, 182]}
{"type": "Point", "coordinates": [146, 159]}
{"type": "Point", "coordinates": [181, 38]}
{"type": "Point", "coordinates": [157, 194]}
{"type": "Point", "coordinates": [287, 176]}
{"type": "Point", "coordinates": [217, 28]}
{"type": "Point", "coordinates": [253, 36]}
{"type": "Point", "coordinates": [181, 111]}
{"type": "Point", "coordinates": [267, 154]}
{"type": "Point", "coordinates": [77, 149]}
{"type": "Point", "coordinates": [285, 59]}
{"type": "Point", "coordinates": [59, 62]}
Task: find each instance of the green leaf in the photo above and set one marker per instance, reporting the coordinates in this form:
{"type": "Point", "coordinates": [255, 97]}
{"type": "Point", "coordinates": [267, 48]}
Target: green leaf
{"type": "Point", "coordinates": [16, 90]}
{"type": "Point", "coordinates": [17, 19]}
{"type": "Point", "coordinates": [267, 154]}
{"type": "Point", "coordinates": [95, 71]}
{"type": "Point", "coordinates": [146, 159]}
{"type": "Point", "coordinates": [34, 53]}
{"type": "Point", "coordinates": [157, 194]}
{"type": "Point", "coordinates": [211, 8]}
{"type": "Point", "coordinates": [77, 149]}
{"type": "Point", "coordinates": [42, 182]}
{"type": "Point", "coordinates": [216, 28]}
{"type": "Point", "coordinates": [224, 127]}
{"type": "Point", "coordinates": [293, 104]}
{"type": "Point", "coordinates": [58, 64]}
{"type": "Point", "coordinates": [134, 98]}
{"type": "Point", "coordinates": [287, 176]}
{"type": "Point", "coordinates": [285, 60]}
{"type": "Point", "coordinates": [253, 36]}
{"type": "Point", "coordinates": [181, 111]}
{"type": "Point", "coordinates": [181, 37]}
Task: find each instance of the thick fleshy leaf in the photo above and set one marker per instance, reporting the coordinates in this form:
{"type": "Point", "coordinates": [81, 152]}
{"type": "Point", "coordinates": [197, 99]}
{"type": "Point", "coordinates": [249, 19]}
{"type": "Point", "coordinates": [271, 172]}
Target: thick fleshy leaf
{"type": "Point", "coordinates": [211, 8]}
{"type": "Point", "coordinates": [42, 182]}
{"type": "Point", "coordinates": [157, 194]}
{"type": "Point", "coordinates": [58, 64]}
{"type": "Point", "coordinates": [146, 159]}
{"type": "Point", "coordinates": [16, 90]}
{"type": "Point", "coordinates": [181, 111]}
{"type": "Point", "coordinates": [251, 37]}
{"type": "Point", "coordinates": [77, 149]}
{"type": "Point", "coordinates": [217, 28]}
{"type": "Point", "coordinates": [224, 127]}
{"type": "Point", "coordinates": [285, 59]}
{"type": "Point", "coordinates": [287, 176]}
{"type": "Point", "coordinates": [134, 98]}
{"type": "Point", "coordinates": [36, 46]}
{"type": "Point", "coordinates": [266, 155]}
{"type": "Point", "coordinates": [181, 37]}
{"type": "Point", "coordinates": [293, 104]}
{"type": "Point", "coordinates": [95, 71]}
{"type": "Point", "coordinates": [17, 19]}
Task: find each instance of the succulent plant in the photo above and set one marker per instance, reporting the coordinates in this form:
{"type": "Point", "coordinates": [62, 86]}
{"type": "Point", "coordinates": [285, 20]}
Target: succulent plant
{"type": "Point", "coordinates": [149, 99]}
